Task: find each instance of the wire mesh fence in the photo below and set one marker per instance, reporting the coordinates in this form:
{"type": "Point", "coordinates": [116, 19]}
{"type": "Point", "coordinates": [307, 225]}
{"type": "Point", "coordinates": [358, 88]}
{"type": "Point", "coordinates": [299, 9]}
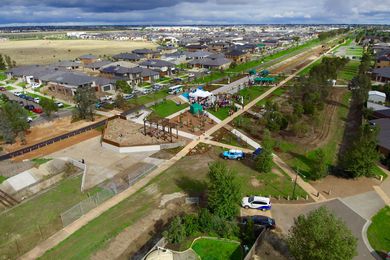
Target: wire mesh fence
{"type": "Point", "coordinates": [110, 189]}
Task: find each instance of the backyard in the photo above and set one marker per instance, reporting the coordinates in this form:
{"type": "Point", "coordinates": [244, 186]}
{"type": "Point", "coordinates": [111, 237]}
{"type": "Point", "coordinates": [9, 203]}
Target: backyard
{"type": "Point", "coordinates": [43, 211]}
{"type": "Point", "coordinates": [167, 108]}
{"type": "Point", "coordinates": [378, 232]}
{"type": "Point", "coordinates": [216, 249]}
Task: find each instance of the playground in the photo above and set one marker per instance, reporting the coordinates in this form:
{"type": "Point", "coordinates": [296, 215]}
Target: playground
{"type": "Point", "coordinates": [192, 123]}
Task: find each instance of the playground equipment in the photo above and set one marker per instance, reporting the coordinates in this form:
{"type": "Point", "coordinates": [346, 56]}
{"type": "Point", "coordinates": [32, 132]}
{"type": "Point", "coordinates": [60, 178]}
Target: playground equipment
{"type": "Point", "coordinates": [160, 128]}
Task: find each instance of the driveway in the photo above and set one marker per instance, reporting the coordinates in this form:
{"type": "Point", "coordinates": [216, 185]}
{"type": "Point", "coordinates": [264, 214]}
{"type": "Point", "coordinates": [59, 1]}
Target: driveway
{"type": "Point", "coordinates": [354, 210]}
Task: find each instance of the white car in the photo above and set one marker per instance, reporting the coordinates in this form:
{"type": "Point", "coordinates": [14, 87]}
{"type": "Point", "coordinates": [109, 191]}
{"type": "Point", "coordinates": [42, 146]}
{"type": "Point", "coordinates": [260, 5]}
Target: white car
{"type": "Point", "coordinates": [59, 104]}
{"type": "Point", "coordinates": [29, 119]}
{"type": "Point", "coordinates": [256, 202]}
{"type": "Point", "coordinates": [17, 93]}
{"type": "Point", "coordinates": [37, 100]}
{"type": "Point", "coordinates": [35, 85]}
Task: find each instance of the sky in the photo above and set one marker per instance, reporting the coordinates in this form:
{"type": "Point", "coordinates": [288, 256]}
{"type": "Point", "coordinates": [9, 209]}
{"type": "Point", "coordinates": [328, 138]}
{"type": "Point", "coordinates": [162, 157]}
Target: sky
{"type": "Point", "coordinates": [148, 12]}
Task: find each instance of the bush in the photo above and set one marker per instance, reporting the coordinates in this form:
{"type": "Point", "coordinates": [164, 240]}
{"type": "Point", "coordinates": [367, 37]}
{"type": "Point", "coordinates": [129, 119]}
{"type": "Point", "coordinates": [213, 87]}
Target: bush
{"type": "Point", "coordinates": [176, 232]}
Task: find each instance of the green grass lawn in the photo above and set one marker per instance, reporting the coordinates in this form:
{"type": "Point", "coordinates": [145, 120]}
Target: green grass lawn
{"type": "Point", "coordinates": [378, 232]}
{"type": "Point", "coordinates": [43, 97]}
{"type": "Point", "coordinates": [348, 72]}
{"type": "Point", "coordinates": [39, 215]}
{"type": "Point", "coordinates": [22, 84]}
{"type": "Point", "coordinates": [376, 171]}
{"type": "Point", "coordinates": [142, 100]}
{"type": "Point", "coordinates": [213, 249]}
{"type": "Point", "coordinates": [252, 93]}
{"type": "Point", "coordinates": [168, 107]}
{"type": "Point", "coordinates": [40, 161]}
{"type": "Point", "coordinates": [187, 175]}
{"type": "Point", "coordinates": [221, 113]}
{"type": "Point", "coordinates": [2, 76]}
{"type": "Point", "coordinates": [2, 178]}
{"type": "Point", "coordinates": [9, 88]}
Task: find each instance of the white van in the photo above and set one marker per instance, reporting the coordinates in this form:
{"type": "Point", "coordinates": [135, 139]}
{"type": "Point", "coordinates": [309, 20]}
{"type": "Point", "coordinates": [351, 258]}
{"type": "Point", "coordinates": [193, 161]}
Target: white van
{"type": "Point", "coordinates": [175, 89]}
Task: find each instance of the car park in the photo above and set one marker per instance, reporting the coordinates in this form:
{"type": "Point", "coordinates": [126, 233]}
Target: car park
{"type": "Point", "coordinates": [265, 221]}
{"type": "Point", "coordinates": [233, 155]}
{"type": "Point", "coordinates": [256, 202]}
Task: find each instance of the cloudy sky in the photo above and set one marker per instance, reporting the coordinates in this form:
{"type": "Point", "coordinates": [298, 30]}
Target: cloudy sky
{"type": "Point", "coordinates": [193, 11]}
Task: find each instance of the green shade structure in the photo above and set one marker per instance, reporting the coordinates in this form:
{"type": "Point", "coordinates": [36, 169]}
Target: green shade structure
{"type": "Point", "coordinates": [196, 108]}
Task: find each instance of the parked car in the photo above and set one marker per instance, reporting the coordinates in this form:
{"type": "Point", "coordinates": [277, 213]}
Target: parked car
{"type": "Point", "coordinates": [98, 105]}
{"type": "Point", "coordinates": [146, 91]}
{"type": "Point", "coordinates": [260, 220]}
{"type": "Point", "coordinates": [191, 75]}
{"type": "Point", "coordinates": [29, 119]}
{"type": "Point", "coordinates": [35, 85]}
{"type": "Point", "coordinates": [233, 155]}
{"type": "Point", "coordinates": [157, 86]}
{"type": "Point", "coordinates": [37, 100]}
{"type": "Point", "coordinates": [105, 98]}
{"type": "Point", "coordinates": [3, 89]}
{"type": "Point", "coordinates": [29, 98]}
{"type": "Point", "coordinates": [256, 202]}
{"type": "Point", "coordinates": [59, 104]}
{"type": "Point", "coordinates": [24, 96]}
{"type": "Point", "coordinates": [37, 110]}
{"type": "Point", "coordinates": [257, 152]}
{"type": "Point", "coordinates": [17, 93]}
{"type": "Point", "coordinates": [29, 107]}
{"type": "Point", "coordinates": [128, 96]}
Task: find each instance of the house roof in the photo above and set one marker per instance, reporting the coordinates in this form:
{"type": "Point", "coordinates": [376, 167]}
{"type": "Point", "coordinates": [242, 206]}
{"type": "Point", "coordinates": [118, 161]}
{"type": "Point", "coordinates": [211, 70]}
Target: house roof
{"type": "Point", "coordinates": [235, 53]}
{"type": "Point", "coordinates": [98, 64]}
{"type": "Point", "coordinates": [148, 72]}
{"type": "Point", "coordinates": [377, 93]}
{"type": "Point", "coordinates": [88, 57]}
{"type": "Point", "coordinates": [157, 63]}
{"type": "Point", "coordinates": [199, 54]}
{"type": "Point", "coordinates": [211, 62]}
{"type": "Point", "coordinates": [383, 72]}
{"type": "Point", "coordinates": [384, 132]}
{"type": "Point", "coordinates": [121, 70]}
{"type": "Point", "coordinates": [68, 78]}
{"type": "Point", "coordinates": [66, 63]}
{"type": "Point", "coordinates": [144, 51]}
{"type": "Point", "coordinates": [127, 56]}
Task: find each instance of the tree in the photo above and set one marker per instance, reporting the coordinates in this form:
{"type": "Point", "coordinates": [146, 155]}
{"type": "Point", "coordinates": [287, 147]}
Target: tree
{"type": "Point", "coordinates": [361, 157]}
{"type": "Point", "coordinates": [2, 63]}
{"type": "Point", "coordinates": [223, 191]}
{"type": "Point", "coordinates": [120, 102]}
{"type": "Point", "coordinates": [8, 61]}
{"type": "Point", "coordinates": [320, 235]}
{"type": "Point", "coordinates": [264, 159]}
{"type": "Point", "coordinates": [48, 106]}
{"type": "Point", "coordinates": [176, 232]}
{"type": "Point", "coordinates": [85, 100]}
{"type": "Point", "coordinates": [360, 85]}
{"type": "Point", "coordinates": [13, 122]}
{"type": "Point", "coordinates": [320, 167]}
{"type": "Point", "coordinates": [124, 86]}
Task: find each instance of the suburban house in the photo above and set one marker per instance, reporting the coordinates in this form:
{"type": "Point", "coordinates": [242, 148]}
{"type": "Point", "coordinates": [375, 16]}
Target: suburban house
{"type": "Point", "coordinates": [149, 75]}
{"type": "Point", "coordinates": [147, 53]}
{"type": "Point", "coordinates": [217, 46]}
{"type": "Point", "coordinates": [127, 57]}
{"type": "Point", "coordinates": [131, 75]}
{"type": "Point", "coordinates": [166, 49]}
{"type": "Point", "coordinates": [383, 59]}
{"type": "Point", "coordinates": [198, 55]}
{"type": "Point", "coordinates": [177, 58]}
{"type": "Point", "coordinates": [238, 56]}
{"type": "Point", "coordinates": [67, 64]}
{"type": "Point", "coordinates": [88, 59]}
{"type": "Point", "coordinates": [381, 74]}
{"type": "Point", "coordinates": [220, 63]}
{"type": "Point", "coordinates": [383, 136]}
{"type": "Point", "coordinates": [376, 97]}
{"type": "Point", "coordinates": [96, 66]}
{"type": "Point", "coordinates": [30, 73]}
{"type": "Point", "coordinates": [165, 68]}
{"type": "Point", "coordinates": [196, 47]}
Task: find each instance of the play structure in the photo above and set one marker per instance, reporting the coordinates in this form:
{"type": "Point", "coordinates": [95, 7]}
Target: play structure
{"type": "Point", "coordinates": [160, 129]}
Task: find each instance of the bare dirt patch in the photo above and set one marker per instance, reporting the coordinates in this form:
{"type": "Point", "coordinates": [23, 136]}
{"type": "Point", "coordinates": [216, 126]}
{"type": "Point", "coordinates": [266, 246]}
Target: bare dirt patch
{"type": "Point", "coordinates": [192, 124]}
{"type": "Point", "coordinates": [255, 182]}
{"type": "Point", "coordinates": [340, 187]}
{"type": "Point", "coordinates": [49, 51]}
{"type": "Point", "coordinates": [46, 131]}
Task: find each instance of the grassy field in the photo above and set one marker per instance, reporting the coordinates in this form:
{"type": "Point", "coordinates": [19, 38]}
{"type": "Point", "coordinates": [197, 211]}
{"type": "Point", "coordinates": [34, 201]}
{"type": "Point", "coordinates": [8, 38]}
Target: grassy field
{"type": "Point", "coordinates": [187, 175]}
{"type": "Point", "coordinates": [48, 51]}
{"type": "Point", "coordinates": [221, 113]}
{"type": "Point", "coordinates": [168, 107]}
{"type": "Point", "coordinates": [213, 249]}
{"type": "Point", "coordinates": [142, 100]}
{"type": "Point", "coordinates": [348, 72]}
{"type": "Point", "coordinates": [378, 232]}
{"type": "Point", "coordinates": [37, 218]}
{"type": "Point", "coordinates": [252, 93]}
{"type": "Point", "coordinates": [9, 88]}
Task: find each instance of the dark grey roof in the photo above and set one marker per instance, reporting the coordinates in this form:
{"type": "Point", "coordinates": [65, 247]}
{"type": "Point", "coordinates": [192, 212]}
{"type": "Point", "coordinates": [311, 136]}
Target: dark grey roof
{"type": "Point", "coordinates": [66, 63]}
{"type": "Point", "coordinates": [127, 56]}
{"type": "Point", "coordinates": [25, 70]}
{"type": "Point", "coordinates": [103, 81]}
{"type": "Point", "coordinates": [383, 72]}
{"type": "Point", "coordinates": [235, 52]}
{"type": "Point", "coordinates": [88, 57]}
{"type": "Point", "coordinates": [148, 72]}
{"type": "Point", "coordinates": [120, 70]}
{"type": "Point", "coordinates": [199, 54]}
{"type": "Point", "coordinates": [144, 51]}
{"type": "Point", "coordinates": [157, 63]}
{"type": "Point", "coordinates": [68, 78]}
{"type": "Point", "coordinates": [384, 132]}
{"type": "Point", "coordinates": [98, 64]}
{"type": "Point", "coordinates": [211, 62]}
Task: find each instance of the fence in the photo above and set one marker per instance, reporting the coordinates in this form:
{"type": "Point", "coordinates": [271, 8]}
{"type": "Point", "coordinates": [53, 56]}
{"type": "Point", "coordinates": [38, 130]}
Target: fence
{"type": "Point", "coordinates": [112, 188]}
{"type": "Point", "coordinates": [257, 243]}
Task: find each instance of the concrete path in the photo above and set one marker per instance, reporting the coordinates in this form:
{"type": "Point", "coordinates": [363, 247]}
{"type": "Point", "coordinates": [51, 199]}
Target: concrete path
{"type": "Point", "coordinates": [227, 146]}
{"type": "Point", "coordinates": [69, 230]}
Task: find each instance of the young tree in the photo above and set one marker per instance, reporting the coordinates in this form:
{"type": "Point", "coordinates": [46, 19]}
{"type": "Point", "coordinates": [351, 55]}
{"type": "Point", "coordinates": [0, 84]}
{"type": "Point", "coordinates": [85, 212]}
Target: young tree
{"type": "Point", "coordinates": [120, 102]}
{"type": "Point", "coordinates": [360, 159]}
{"type": "Point", "coordinates": [264, 159]}
{"type": "Point", "coordinates": [13, 122]}
{"type": "Point", "coordinates": [48, 106]}
{"type": "Point", "coordinates": [223, 191]}
{"type": "Point", "coordinates": [320, 235]}
{"type": "Point", "coordinates": [85, 100]}
{"type": "Point", "coordinates": [320, 167]}
{"type": "Point", "coordinates": [124, 86]}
